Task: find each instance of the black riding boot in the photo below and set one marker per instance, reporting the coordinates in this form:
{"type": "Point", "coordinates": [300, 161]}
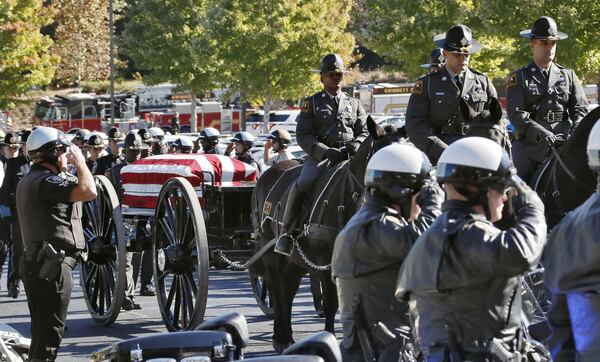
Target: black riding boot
{"type": "Point", "coordinates": [285, 243]}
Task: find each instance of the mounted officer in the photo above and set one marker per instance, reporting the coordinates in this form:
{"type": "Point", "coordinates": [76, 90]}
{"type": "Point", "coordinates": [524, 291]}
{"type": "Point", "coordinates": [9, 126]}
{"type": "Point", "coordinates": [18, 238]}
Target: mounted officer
{"type": "Point", "coordinates": [433, 117]}
{"type": "Point", "coordinates": [209, 139]}
{"type": "Point", "coordinates": [17, 166]}
{"type": "Point", "coordinates": [544, 100]}
{"type": "Point", "coordinates": [114, 156]}
{"type": "Point", "coordinates": [49, 208]}
{"type": "Point", "coordinates": [572, 274]}
{"type": "Point", "coordinates": [463, 275]}
{"type": "Point", "coordinates": [331, 126]}
{"type": "Point", "coordinates": [436, 62]}
{"type": "Point", "coordinates": [402, 201]}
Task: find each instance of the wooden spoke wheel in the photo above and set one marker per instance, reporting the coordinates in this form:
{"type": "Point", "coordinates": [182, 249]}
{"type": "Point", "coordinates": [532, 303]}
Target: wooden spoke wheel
{"type": "Point", "coordinates": [180, 252]}
{"type": "Point", "coordinates": [103, 274]}
{"type": "Point", "coordinates": [261, 294]}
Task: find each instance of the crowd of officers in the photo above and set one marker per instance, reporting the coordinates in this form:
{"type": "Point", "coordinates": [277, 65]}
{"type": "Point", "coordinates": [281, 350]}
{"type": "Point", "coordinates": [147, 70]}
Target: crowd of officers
{"type": "Point", "coordinates": [44, 178]}
{"type": "Point", "coordinates": [419, 269]}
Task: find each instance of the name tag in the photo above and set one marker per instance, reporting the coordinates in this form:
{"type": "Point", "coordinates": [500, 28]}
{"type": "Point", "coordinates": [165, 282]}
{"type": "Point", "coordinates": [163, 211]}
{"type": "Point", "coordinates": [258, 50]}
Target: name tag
{"type": "Point", "coordinates": [440, 93]}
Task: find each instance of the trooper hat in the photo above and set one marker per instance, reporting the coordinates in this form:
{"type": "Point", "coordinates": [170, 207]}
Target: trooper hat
{"type": "Point", "coordinates": [95, 141]}
{"type": "Point", "coordinates": [11, 139]}
{"type": "Point", "coordinates": [145, 135]}
{"type": "Point", "coordinates": [436, 59]}
{"type": "Point", "coordinates": [332, 63]}
{"type": "Point", "coordinates": [115, 134]}
{"type": "Point", "coordinates": [544, 28]}
{"type": "Point", "coordinates": [458, 39]}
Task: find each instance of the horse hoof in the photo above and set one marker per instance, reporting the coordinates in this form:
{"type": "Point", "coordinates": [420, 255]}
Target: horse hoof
{"type": "Point", "coordinates": [280, 347]}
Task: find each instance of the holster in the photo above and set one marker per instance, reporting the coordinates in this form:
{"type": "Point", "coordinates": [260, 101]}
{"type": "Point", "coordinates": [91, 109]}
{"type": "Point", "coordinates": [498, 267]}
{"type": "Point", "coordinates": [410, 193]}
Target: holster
{"type": "Point", "coordinates": [49, 261]}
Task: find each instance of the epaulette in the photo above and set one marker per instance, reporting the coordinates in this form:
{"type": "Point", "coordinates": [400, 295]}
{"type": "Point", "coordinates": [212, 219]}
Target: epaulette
{"type": "Point", "coordinates": [560, 66]}
{"type": "Point", "coordinates": [476, 72]}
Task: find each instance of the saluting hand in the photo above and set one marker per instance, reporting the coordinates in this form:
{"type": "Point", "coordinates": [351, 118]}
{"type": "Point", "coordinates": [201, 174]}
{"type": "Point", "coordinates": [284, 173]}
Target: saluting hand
{"type": "Point", "coordinates": [75, 156]}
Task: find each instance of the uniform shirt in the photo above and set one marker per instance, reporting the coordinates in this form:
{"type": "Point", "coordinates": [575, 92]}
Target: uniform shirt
{"type": "Point", "coordinates": [287, 155]}
{"type": "Point", "coordinates": [16, 169]}
{"type": "Point", "coordinates": [45, 212]}
{"type": "Point", "coordinates": [105, 162]}
{"type": "Point", "coordinates": [246, 158]}
{"type": "Point", "coordinates": [433, 108]}
{"type": "Point", "coordinates": [322, 124]}
{"type": "Point", "coordinates": [534, 102]}
{"type": "Point", "coordinates": [212, 151]}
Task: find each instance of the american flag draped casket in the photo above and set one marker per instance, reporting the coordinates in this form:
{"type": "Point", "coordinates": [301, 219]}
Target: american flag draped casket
{"type": "Point", "coordinates": [143, 179]}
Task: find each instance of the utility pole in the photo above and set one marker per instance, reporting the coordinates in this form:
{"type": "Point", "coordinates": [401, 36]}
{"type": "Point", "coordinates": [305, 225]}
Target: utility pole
{"type": "Point", "coordinates": [112, 62]}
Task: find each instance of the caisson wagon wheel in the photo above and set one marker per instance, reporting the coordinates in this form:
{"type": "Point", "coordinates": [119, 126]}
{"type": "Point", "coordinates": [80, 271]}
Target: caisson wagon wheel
{"type": "Point", "coordinates": [103, 274]}
{"type": "Point", "coordinates": [261, 294]}
{"type": "Point", "coordinates": [180, 253]}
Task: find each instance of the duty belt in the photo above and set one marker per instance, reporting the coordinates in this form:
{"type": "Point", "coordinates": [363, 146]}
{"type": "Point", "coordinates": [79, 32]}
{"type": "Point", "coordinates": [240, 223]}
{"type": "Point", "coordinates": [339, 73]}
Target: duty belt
{"type": "Point", "coordinates": [70, 256]}
{"type": "Point", "coordinates": [459, 129]}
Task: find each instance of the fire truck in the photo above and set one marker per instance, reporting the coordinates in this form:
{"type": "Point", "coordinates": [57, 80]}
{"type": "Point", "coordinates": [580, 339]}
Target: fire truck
{"type": "Point", "coordinates": [208, 114]}
{"type": "Point", "coordinates": [75, 110]}
{"type": "Point", "coordinates": [385, 98]}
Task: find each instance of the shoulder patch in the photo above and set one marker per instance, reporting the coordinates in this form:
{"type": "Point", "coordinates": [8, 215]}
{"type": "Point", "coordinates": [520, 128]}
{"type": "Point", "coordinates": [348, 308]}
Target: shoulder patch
{"type": "Point", "coordinates": [418, 87]}
{"type": "Point", "coordinates": [305, 105]}
{"type": "Point", "coordinates": [512, 79]}
{"type": "Point", "coordinates": [485, 226]}
{"type": "Point", "coordinates": [56, 180]}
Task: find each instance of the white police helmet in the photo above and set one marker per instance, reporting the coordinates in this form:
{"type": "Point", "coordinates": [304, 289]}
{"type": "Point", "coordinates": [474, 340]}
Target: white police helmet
{"type": "Point", "coordinates": [44, 140]}
{"type": "Point", "coordinates": [475, 161]}
{"type": "Point", "coordinates": [397, 171]}
{"type": "Point", "coordinates": [157, 133]}
{"type": "Point", "coordinates": [593, 147]}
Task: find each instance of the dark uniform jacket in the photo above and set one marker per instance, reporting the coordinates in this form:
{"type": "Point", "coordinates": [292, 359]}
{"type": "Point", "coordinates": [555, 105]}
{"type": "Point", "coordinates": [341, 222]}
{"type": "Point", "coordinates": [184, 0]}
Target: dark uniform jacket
{"type": "Point", "coordinates": [114, 175]}
{"type": "Point", "coordinates": [367, 256]}
{"type": "Point", "coordinates": [322, 125]}
{"type": "Point", "coordinates": [433, 117]}
{"type": "Point", "coordinates": [534, 102]}
{"type": "Point", "coordinates": [16, 169]}
{"type": "Point", "coordinates": [465, 273]}
{"type": "Point", "coordinates": [572, 265]}
{"type": "Point", "coordinates": [45, 212]}
{"type": "Point", "coordinates": [106, 162]}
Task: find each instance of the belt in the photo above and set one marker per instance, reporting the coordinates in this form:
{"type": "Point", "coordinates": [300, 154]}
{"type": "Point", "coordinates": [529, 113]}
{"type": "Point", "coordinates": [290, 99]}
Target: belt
{"type": "Point", "coordinates": [453, 130]}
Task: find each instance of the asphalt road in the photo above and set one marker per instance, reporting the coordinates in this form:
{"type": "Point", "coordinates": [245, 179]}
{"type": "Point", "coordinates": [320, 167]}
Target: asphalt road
{"type": "Point", "coordinates": [228, 291]}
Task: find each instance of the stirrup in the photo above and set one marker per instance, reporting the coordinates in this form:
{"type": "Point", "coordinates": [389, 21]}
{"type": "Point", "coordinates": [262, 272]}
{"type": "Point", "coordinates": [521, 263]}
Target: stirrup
{"type": "Point", "coordinates": [285, 246]}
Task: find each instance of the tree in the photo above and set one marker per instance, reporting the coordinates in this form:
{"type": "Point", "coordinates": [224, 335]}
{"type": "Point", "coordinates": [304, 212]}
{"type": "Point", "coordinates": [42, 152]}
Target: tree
{"type": "Point", "coordinates": [269, 46]}
{"type": "Point", "coordinates": [81, 40]}
{"type": "Point", "coordinates": [169, 39]}
{"type": "Point", "coordinates": [399, 30]}
{"type": "Point", "coordinates": [24, 58]}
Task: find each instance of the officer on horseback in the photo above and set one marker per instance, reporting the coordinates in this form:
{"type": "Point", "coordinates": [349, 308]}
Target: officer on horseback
{"type": "Point", "coordinates": [433, 117]}
{"type": "Point", "coordinates": [402, 201]}
{"type": "Point", "coordinates": [331, 126]}
{"type": "Point", "coordinates": [544, 100]}
{"type": "Point", "coordinates": [463, 275]}
{"type": "Point", "coordinates": [572, 274]}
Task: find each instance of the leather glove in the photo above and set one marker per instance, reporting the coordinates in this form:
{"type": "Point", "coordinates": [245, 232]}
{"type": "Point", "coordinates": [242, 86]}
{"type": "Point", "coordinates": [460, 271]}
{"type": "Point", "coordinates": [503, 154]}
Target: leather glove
{"type": "Point", "coordinates": [430, 193]}
{"type": "Point", "coordinates": [352, 147]}
{"type": "Point", "coordinates": [334, 155]}
{"type": "Point", "coordinates": [525, 196]}
{"type": "Point", "coordinates": [546, 136]}
{"type": "Point", "coordinates": [5, 212]}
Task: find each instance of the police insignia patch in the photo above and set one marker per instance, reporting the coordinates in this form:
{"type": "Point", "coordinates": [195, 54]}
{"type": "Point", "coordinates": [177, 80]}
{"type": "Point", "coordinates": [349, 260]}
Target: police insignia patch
{"type": "Point", "coordinates": [55, 180]}
{"type": "Point", "coordinates": [304, 107]}
{"type": "Point", "coordinates": [418, 87]}
{"type": "Point", "coordinates": [267, 208]}
{"type": "Point", "coordinates": [512, 80]}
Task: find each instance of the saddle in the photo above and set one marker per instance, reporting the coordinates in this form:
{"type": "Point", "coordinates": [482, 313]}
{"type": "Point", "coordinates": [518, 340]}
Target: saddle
{"type": "Point", "coordinates": [323, 212]}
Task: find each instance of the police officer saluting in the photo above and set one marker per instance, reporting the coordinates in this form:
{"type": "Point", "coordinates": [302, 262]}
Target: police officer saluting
{"type": "Point", "coordinates": [544, 100]}
{"type": "Point", "coordinates": [49, 207]}
{"type": "Point", "coordinates": [331, 126]}
{"type": "Point", "coordinates": [278, 141]}
{"type": "Point", "coordinates": [463, 275]}
{"type": "Point", "coordinates": [572, 273]}
{"type": "Point", "coordinates": [402, 201]}
{"type": "Point", "coordinates": [433, 118]}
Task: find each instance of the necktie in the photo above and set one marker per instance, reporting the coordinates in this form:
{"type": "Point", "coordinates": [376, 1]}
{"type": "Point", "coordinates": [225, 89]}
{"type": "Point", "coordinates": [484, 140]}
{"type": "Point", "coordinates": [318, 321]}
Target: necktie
{"type": "Point", "coordinates": [458, 82]}
{"type": "Point", "coordinates": [545, 72]}
{"type": "Point", "coordinates": [336, 101]}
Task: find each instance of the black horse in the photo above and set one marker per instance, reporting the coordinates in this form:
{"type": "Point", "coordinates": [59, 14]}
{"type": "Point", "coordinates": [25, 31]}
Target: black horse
{"type": "Point", "coordinates": [335, 199]}
{"type": "Point", "coordinates": [565, 181]}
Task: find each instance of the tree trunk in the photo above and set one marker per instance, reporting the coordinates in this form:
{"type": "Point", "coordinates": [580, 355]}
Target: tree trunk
{"type": "Point", "coordinates": [267, 109]}
{"type": "Point", "coordinates": [193, 120]}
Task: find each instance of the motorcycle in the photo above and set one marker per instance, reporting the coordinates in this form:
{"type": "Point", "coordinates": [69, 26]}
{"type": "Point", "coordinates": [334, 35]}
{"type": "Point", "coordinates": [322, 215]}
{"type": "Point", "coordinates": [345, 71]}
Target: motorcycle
{"type": "Point", "coordinates": [13, 346]}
